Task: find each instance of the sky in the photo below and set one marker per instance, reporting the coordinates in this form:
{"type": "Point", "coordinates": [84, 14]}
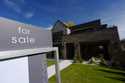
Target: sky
{"type": "Point", "coordinates": [45, 13]}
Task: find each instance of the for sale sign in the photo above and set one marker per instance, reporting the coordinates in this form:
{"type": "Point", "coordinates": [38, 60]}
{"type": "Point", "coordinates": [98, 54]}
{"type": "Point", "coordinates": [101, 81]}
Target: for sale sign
{"type": "Point", "coordinates": [15, 35]}
{"type": "Point", "coordinates": [18, 42]}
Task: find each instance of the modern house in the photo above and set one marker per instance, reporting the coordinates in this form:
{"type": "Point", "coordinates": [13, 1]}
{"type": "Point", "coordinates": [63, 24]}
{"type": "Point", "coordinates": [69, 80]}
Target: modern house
{"type": "Point", "coordinates": [86, 40]}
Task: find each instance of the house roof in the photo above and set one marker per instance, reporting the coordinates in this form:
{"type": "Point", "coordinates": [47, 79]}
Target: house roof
{"type": "Point", "coordinates": [91, 24]}
{"type": "Point", "coordinates": [95, 24]}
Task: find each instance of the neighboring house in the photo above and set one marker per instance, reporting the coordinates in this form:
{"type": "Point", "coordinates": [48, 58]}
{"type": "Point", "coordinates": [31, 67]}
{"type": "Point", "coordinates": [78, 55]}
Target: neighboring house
{"type": "Point", "coordinates": [86, 40]}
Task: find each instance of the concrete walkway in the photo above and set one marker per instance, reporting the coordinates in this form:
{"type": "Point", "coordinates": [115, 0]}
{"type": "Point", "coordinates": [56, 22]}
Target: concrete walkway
{"type": "Point", "coordinates": [63, 64]}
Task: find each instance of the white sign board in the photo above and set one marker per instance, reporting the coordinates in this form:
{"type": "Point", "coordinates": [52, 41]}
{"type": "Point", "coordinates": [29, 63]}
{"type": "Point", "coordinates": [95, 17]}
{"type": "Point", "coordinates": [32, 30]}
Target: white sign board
{"type": "Point", "coordinates": [14, 70]}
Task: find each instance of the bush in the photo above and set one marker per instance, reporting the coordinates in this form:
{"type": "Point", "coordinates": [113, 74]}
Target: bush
{"type": "Point", "coordinates": [77, 59]}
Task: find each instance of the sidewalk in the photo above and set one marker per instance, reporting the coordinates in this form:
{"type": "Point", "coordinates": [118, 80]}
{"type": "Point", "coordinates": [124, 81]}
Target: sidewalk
{"type": "Point", "coordinates": [63, 64]}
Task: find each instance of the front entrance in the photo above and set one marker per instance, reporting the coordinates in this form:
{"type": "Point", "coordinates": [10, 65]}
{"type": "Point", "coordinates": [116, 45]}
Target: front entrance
{"type": "Point", "coordinates": [94, 49]}
{"type": "Point", "coordinates": [70, 50]}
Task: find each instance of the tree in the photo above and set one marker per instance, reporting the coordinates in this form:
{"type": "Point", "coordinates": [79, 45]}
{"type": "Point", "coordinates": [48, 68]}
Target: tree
{"type": "Point", "coordinates": [70, 24]}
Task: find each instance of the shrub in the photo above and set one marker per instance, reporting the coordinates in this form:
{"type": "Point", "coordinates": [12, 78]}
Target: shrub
{"type": "Point", "coordinates": [78, 59]}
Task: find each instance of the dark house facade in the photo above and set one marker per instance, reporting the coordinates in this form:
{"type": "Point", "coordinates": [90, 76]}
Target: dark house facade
{"type": "Point", "coordinates": [86, 40]}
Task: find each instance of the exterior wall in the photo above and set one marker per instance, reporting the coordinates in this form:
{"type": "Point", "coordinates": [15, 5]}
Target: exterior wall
{"type": "Point", "coordinates": [106, 34]}
{"type": "Point", "coordinates": [58, 31]}
{"type": "Point", "coordinates": [109, 34]}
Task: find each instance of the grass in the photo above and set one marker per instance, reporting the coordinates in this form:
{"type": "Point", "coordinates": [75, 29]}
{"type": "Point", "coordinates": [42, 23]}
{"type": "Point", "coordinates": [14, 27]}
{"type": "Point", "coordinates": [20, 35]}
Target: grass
{"type": "Point", "coordinates": [79, 73]}
{"type": "Point", "coordinates": [50, 62]}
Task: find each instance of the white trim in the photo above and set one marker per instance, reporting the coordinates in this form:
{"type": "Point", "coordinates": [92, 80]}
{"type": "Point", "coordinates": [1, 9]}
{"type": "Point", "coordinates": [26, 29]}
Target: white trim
{"type": "Point", "coordinates": [24, 52]}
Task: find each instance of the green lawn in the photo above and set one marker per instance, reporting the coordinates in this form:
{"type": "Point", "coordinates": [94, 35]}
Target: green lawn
{"type": "Point", "coordinates": [50, 62]}
{"type": "Point", "coordinates": [79, 73]}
